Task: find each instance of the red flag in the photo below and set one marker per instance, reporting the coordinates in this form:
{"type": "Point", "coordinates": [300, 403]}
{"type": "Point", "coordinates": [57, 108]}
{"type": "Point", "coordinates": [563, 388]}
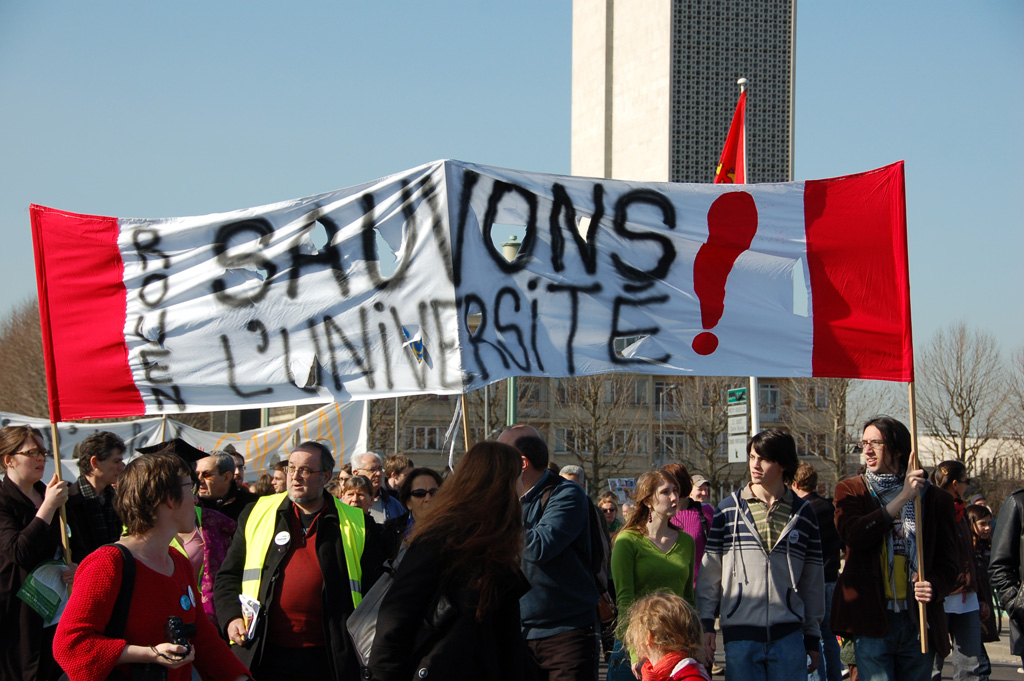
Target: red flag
{"type": "Point", "coordinates": [731, 166]}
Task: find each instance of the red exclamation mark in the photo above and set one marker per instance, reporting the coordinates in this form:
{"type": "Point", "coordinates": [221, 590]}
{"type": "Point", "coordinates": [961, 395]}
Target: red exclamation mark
{"type": "Point", "coordinates": [732, 223]}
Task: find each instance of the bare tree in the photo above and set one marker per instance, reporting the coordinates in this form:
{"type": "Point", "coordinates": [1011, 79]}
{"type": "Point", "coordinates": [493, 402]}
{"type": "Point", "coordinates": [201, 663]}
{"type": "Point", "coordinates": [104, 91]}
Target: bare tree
{"type": "Point", "coordinates": [819, 422]}
{"type": "Point", "coordinates": [703, 411]}
{"type": "Point", "coordinates": [962, 391]}
{"type": "Point", "coordinates": [1015, 399]}
{"type": "Point", "coordinates": [382, 421]}
{"type": "Point", "coordinates": [21, 356]}
{"type": "Point", "coordinates": [600, 420]}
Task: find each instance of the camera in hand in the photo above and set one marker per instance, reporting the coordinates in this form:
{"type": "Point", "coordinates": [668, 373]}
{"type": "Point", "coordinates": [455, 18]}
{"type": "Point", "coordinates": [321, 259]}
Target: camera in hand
{"type": "Point", "coordinates": [179, 633]}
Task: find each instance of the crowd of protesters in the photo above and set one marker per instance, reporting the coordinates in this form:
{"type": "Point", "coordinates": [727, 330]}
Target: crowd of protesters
{"type": "Point", "coordinates": [500, 569]}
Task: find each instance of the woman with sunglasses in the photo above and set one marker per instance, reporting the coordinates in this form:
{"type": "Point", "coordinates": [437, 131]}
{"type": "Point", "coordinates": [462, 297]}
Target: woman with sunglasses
{"type": "Point", "coordinates": [156, 501]}
{"type": "Point", "coordinates": [29, 535]}
{"type": "Point", "coordinates": [417, 491]}
{"type": "Point", "coordinates": [962, 606]}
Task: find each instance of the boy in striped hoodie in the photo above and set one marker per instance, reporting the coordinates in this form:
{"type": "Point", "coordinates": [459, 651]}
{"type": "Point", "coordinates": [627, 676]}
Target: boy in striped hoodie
{"type": "Point", "coordinates": [762, 570]}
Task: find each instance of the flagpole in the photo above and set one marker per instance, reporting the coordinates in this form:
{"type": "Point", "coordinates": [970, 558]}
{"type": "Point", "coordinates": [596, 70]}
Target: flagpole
{"type": "Point", "coordinates": [55, 436]}
{"type": "Point", "coordinates": [914, 464]}
{"type": "Point", "coordinates": [755, 411]}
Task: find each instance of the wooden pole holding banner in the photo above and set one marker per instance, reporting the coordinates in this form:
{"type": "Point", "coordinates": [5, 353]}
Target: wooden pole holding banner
{"type": "Point", "coordinates": [55, 436]}
{"type": "Point", "coordinates": [914, 464]}
{"type": "Point", "coordinates": [465, 422]}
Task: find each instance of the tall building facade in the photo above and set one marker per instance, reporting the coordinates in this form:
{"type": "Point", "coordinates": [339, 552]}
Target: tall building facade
{"type": "Point", "coordinates": [654, 87]}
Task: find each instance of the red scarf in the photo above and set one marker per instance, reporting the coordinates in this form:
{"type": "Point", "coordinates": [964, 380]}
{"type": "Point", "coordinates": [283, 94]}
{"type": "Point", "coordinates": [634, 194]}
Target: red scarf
{"type": "Point", "coordinates": [663, 670]}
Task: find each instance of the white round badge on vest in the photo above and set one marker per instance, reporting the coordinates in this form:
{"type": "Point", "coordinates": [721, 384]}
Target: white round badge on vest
{"type": "Point", "coordinates": [282, 538]}
{"type": "Point", "coordinates": [794, 536]}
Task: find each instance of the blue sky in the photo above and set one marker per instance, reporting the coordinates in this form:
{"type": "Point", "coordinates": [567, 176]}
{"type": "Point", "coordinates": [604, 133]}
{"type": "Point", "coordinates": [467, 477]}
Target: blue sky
{"type": "Point", "coordinates": [185, 108]}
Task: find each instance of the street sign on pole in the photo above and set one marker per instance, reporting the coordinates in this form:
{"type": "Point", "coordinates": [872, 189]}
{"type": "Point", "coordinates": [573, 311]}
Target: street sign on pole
{"type": "Point", "coordinates": [738, 425]}
{"type": "Point", "coordinates": [738, 448]}
{"type": "Point", "coordinates": [736, 396]}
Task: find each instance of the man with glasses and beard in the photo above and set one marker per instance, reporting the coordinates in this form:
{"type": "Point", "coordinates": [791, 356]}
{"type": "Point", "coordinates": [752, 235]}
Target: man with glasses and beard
{"type": "Point", "coordinates": [307, 559]}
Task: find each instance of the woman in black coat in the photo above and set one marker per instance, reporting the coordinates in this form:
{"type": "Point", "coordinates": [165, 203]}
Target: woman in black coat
{"type": "Point", "coordinates": [29, 535]}
{"type": "Point", "coordinates": [453, 609]}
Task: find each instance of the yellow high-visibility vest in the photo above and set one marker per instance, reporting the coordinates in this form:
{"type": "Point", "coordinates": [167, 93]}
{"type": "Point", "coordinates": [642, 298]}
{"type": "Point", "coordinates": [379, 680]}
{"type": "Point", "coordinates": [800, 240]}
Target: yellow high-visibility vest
{"type": "Point", "coordinates": [259, 532]}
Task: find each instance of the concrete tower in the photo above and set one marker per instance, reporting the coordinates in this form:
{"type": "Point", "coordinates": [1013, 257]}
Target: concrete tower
{"type": "Point", "coordinates": [654, 86]}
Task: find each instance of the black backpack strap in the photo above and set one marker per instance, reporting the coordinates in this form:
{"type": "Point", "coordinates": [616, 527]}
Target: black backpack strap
{"type": "Point", "coordinates": [118, 621]}
{"type": "Point", "coordinates": [545, 496]}
{"type": "Point", "coordinates": [703, 520]}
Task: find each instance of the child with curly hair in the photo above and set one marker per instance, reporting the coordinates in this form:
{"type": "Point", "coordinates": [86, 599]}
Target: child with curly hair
{"type": "Point", "coordinates": [665, 629]}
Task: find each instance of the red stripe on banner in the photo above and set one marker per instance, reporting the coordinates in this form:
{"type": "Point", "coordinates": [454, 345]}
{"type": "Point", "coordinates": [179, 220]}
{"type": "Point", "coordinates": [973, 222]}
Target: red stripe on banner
{"type": "Point", "coordinates": [860, 280]}
{"type": "Point", "coordinates": [82, 309]}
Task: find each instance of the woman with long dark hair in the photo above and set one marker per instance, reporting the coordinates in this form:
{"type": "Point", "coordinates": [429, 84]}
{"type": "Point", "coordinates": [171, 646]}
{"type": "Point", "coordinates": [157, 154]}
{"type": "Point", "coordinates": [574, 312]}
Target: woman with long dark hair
{"type": "Point", "coordinates": [453, 609]}
{"type": "Point", "coordinates": [979, 518]}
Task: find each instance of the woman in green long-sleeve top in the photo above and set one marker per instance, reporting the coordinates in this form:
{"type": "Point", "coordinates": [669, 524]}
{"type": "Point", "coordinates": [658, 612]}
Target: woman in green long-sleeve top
{"type": "Point", "coordinates": [650, 554]}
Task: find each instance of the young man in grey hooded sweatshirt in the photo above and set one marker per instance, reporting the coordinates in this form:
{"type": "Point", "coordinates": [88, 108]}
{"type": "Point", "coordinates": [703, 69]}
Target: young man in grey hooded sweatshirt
{"type": "Point", "coordinates": [762, 570]}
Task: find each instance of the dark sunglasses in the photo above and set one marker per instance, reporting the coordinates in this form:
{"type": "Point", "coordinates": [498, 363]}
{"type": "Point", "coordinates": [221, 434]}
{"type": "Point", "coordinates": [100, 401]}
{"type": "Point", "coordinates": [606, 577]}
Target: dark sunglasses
{"type": "Point", "coordinates": [420, 493]}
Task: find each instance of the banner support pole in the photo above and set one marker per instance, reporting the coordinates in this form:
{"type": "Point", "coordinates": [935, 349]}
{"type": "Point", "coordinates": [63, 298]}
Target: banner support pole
{"type": "Point", "coordinates": [914, 464]}
{"type": "Point", "coordinates": [465, 422]}
{"type": "Point", "coordinates": [55, 436]}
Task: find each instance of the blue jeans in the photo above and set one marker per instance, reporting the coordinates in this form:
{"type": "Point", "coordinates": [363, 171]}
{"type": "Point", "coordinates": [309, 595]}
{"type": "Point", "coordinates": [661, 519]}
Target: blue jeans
{"type": "Point", "coordinates": [753, 661]}
{"type": "Point", "coordinates": [619, 666]}
{"type": "Point", "coordinates": [830, 668]}
{"type": "Point", "coordinates": [970, 662]}
{"type": "Point", "coordinates": [894, 657]}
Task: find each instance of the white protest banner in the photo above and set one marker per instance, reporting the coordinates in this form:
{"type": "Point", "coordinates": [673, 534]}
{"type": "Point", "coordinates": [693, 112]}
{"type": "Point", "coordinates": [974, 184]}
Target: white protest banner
{"type": "Point", "coordinates": [341, 427]}
{"type": "Point", "coordinates": [138, 433]}
{"type": "Point", "coordinates": [299, 302]}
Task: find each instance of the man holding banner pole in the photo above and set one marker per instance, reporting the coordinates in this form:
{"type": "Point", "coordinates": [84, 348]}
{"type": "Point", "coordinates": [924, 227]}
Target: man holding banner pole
{"type": "Point", "coordinates": [878, 592]}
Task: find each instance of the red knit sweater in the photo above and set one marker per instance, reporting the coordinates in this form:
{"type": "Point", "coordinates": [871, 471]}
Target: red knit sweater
{"type": "Point", "coordinates": [87, 655]}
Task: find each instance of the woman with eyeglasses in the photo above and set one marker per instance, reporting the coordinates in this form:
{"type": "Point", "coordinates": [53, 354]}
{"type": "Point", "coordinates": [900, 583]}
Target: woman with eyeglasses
{"type": "Point", "coordinates": [452, 611]}
{"type": "Point", "coordinates": [156, 501]}
{"type": "Point", "coordinates": [964, 611]}
{"type": "Point", "coordinates": [29, 536]}
{"type": "Point", "coordinates": [877, 595]}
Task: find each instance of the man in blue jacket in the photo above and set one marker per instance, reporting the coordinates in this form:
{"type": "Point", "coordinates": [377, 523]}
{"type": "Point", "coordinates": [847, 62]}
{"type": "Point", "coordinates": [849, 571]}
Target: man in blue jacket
{"type": "Point", "coordinates": [559, 612]}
